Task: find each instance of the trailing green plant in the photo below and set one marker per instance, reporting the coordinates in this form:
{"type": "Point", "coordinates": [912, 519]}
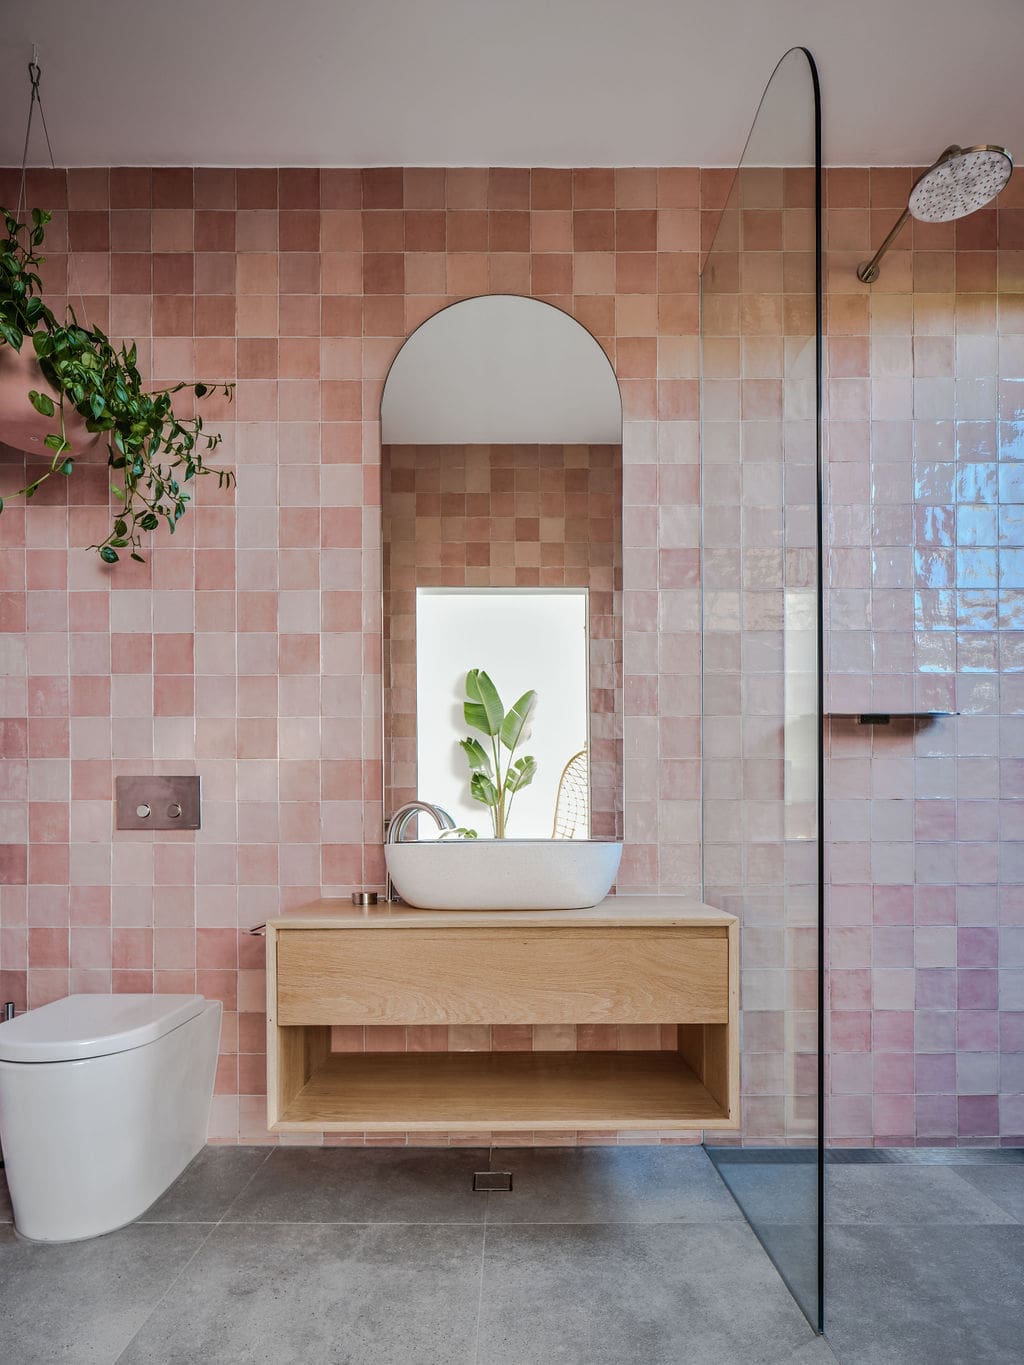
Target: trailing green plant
{"type": "Point", "coordinates": [491, 783]}
{"type": "Point", "coordinates": [154, 453]}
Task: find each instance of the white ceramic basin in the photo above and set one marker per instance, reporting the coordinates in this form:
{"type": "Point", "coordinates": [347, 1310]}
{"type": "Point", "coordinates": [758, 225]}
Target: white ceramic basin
{"type": "Point", "coordinates": [503, 874]}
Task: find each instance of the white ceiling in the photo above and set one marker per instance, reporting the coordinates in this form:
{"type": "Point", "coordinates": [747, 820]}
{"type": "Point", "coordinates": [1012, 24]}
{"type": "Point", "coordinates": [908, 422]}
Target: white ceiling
{"type": "Point", "coordinates": [501, 82]}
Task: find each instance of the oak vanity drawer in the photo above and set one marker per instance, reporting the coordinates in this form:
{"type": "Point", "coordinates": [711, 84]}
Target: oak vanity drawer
{"type": "Point", "coordinates": [502, 976]}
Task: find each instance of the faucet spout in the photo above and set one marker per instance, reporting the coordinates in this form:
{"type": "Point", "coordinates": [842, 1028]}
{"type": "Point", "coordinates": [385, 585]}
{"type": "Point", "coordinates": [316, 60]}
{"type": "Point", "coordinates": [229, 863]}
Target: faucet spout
{"type": "Point", "coordinates": [404, 815]}
{"type": "Point", "coordinates": [400, 822]}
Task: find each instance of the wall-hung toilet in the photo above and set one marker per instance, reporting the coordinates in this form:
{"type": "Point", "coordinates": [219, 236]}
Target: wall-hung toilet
{"type": "Point", "coordinates": [104, 1100]}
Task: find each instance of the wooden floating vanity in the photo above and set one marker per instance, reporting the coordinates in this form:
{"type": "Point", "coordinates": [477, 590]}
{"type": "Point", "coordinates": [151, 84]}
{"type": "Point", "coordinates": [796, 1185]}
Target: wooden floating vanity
{"type": "Point", "coordinates": [630, 960]}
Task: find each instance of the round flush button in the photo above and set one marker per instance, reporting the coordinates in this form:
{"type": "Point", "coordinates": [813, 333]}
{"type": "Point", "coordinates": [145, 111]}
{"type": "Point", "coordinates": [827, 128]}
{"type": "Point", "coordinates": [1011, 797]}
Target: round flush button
{"type": "Point", "coordinates": [143, 811]}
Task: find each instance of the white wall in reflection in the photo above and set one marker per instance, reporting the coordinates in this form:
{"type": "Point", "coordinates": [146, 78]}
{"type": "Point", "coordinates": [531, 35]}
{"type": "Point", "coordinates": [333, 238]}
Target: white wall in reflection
{"type": "Point", "coordinates": [523, 638]}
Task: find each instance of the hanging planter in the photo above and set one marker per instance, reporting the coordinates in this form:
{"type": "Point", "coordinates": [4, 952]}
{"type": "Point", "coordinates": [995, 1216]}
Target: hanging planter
{"type": "Point", "coordinates": [82, 388]}
{"type": "Point", "coordinates": [21, 426]}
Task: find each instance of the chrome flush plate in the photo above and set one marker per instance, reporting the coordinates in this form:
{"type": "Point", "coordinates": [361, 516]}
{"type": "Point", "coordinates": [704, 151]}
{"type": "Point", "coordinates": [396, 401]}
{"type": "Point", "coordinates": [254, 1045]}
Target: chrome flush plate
{"type": "Point", "coordinates": [157, 802]}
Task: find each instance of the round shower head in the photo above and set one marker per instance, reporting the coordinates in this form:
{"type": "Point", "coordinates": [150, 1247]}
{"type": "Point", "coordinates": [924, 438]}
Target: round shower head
{"type": "Point", "coordinates": [962, 180]}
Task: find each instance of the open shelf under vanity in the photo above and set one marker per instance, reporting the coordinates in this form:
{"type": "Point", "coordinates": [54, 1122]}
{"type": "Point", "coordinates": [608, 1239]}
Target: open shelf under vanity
{"type": "Point", "coordinates": [513, 1091]}
{"type": "Point", "coordinates": [631, 960]}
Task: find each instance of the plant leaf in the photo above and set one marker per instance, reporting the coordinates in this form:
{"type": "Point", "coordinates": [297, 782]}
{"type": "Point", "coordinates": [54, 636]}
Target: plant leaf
{"type": "Point", "coordinates": [476, 756]}
{"type": "Point", "coordinates": [521, 774]}
{"type": "Point", "coordinates": [482, 789]}
{"type": "Point", "coordinates": [156, 450]}
{"type": "Point", "coordinates": [484, 710]}
{"type": "Point", "coordinates": [514, 727]}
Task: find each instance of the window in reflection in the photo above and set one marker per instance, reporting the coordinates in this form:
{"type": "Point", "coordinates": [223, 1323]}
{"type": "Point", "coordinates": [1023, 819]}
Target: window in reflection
{"type": "Point", "coordinates": [524, 639]}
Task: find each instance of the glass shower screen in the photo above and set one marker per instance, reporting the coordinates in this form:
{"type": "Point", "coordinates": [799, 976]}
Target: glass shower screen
{"type": "Point", "coordinates": [761, 657]}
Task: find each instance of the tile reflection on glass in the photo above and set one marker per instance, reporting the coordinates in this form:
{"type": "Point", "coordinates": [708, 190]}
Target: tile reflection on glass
{"type": "Point", "coordinates": [935, 525]}
{"type": "Point", "coordinates": [1011, 440]}
{"type": "Point", "coordinates": [978, 568]}
{"type": "Point", "coordinates": [976, 525]}
{"type": "Point", "coordinates": [976, 481]}
{"type": "Point", "coordinates": [935, 610]}
{"type": "Point", "coordinates": [976, 609]}
{"type": "Point", "coordinates": [933, 568]}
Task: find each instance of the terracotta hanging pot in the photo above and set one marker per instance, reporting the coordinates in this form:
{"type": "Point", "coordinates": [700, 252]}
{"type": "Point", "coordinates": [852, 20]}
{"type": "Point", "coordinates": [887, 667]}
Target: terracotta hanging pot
{"type": "Point", "coordinates": [20, 425]}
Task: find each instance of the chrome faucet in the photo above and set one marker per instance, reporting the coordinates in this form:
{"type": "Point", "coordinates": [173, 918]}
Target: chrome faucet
{"type": "Point", "coordinates": [402, 817]}
{"type": "Point", "coordinates": [400, 821]}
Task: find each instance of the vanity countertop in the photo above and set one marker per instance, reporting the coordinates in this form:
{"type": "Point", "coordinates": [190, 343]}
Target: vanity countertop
{"type": "Point", "coordinates": [635, 911]}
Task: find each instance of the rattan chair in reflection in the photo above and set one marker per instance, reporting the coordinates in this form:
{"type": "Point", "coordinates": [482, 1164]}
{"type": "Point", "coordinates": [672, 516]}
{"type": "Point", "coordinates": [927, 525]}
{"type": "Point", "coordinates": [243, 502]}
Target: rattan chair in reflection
{"type": "Point", "coordinates": [572, 804]}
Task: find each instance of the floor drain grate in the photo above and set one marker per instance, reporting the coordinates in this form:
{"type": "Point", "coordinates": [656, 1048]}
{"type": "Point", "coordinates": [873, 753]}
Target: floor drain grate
{"type": "Point", "coordinates": [492, 1182]}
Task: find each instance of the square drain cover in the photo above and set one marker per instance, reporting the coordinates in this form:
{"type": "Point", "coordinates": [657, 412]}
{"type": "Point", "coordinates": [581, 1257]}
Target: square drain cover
{"type": "Point", "coordinates": [492, 1182]}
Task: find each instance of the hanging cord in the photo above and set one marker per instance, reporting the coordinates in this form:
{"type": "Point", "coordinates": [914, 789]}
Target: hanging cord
{"type": "Point", "coordinates": [35, 73]}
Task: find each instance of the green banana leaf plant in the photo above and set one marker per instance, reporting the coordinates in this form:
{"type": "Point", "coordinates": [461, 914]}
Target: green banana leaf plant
{"type": "Point", "coordinates": [491, 783]}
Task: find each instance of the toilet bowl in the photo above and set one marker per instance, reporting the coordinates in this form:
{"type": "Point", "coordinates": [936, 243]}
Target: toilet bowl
{"type": "Point", "coordinates": [104, 1100]}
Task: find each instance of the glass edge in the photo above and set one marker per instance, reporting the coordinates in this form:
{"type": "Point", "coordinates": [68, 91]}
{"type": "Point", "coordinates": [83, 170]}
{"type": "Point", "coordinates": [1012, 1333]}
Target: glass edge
{"type": "Point", "coordinates": [817, 1319]}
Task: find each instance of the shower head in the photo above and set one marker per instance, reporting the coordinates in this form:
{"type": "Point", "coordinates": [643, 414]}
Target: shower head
{"type": "Point", "coordinates": [961, 181]}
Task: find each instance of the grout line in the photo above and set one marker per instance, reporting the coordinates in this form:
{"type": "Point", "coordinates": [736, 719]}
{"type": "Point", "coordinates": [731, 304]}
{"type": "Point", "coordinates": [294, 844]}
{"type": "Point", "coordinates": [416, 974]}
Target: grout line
{"type": "Point", "coordinates": [757, 1236]}
{"type": "Point", "coordinates": [483, 1258]}
{"type": "Point", "coordinates": [171, 1283]}
{"type": "Point", "coordinates": [175, 1278]}
{"type": "Point", "coordinates": [480, 1296]}
{"type": "Point", "coordinates": [501, 1226]}
{"type": "Point", "coordinates": [256, 1172]}
{"type": "Point", "coordinates": [351, 1223]}
{"type": "Point", "coordinates": [174, 1223]}
{"type": "Point", "coordinates": [976, 1189]}
{"type": "Point", "coordinates": [829, 1347]}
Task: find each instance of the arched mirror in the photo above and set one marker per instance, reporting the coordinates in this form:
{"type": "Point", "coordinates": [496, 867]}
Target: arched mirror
{"type": "Point", "coordinates": [501, 489]}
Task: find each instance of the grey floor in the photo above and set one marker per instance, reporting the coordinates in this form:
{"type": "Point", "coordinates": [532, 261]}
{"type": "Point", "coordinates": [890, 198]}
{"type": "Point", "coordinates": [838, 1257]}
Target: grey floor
{"type": "Point", "coordinates": [924, 1257]}
{"type": "Point", "coordinates": [925, 1264]}
{"type": "Point", "coordinates": [624, 1256]}
{"type": "Point", "coordinates": [387, 1257]}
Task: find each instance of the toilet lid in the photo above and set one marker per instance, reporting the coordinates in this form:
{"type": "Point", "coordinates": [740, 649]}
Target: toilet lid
{"type": "Point", "coordinates": [93, 1026]}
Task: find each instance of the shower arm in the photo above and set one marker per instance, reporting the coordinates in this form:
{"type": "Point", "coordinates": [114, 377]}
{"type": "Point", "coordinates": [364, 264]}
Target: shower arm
{"type": "Point", "coordinates": [868, 271]}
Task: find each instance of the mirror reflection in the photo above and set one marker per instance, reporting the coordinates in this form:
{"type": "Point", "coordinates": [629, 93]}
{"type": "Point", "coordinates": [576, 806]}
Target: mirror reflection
{"type": "Point", "coordinates": [534, 642]}
{"type": "Point", "coordinates": [501, 492]}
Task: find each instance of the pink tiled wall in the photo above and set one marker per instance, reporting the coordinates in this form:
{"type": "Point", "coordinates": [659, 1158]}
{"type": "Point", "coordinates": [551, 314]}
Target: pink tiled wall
{"type": "Point", "coordinates": [926, 523]}
{"type": "Point", "coordinates": [248, 647]}
{"type": "Point", "coordinates": [758, 567]}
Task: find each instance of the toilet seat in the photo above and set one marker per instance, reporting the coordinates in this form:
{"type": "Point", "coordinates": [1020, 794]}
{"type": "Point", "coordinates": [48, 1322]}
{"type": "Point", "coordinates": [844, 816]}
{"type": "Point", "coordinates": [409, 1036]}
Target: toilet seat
{"type": "Point", "coordinates": [82, 1026]}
